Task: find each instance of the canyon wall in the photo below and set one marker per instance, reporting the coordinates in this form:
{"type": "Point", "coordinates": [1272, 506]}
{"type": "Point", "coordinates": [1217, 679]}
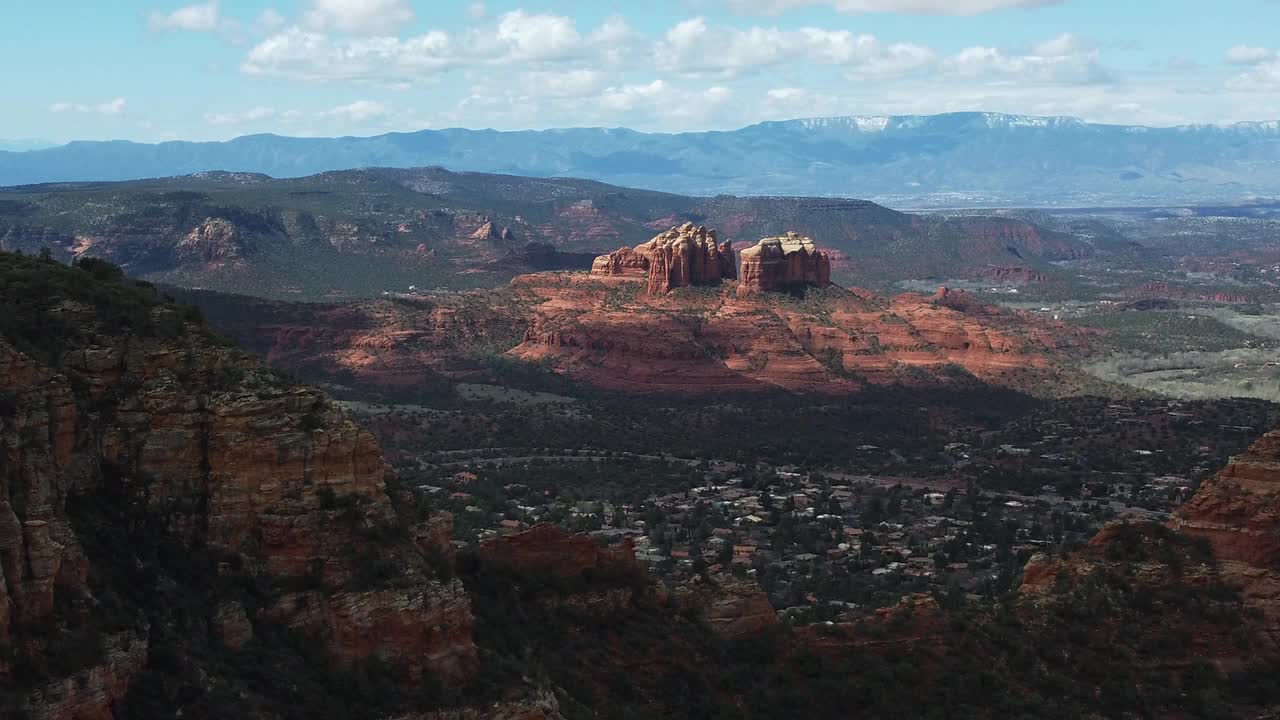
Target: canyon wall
{"type": "Point", "coordinates": [207, 449]}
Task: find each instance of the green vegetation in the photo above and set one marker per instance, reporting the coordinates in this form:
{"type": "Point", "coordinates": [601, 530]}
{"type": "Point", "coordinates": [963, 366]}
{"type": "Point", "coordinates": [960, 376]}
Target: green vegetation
{"type": "Point", "coordinates": [48, 307]}
{"type": "Point", "coordinates": [1164, 331]}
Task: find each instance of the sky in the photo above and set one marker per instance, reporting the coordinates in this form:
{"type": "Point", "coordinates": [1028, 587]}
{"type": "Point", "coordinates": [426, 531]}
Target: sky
{"type": "Point", "coordinates": [156, 70]}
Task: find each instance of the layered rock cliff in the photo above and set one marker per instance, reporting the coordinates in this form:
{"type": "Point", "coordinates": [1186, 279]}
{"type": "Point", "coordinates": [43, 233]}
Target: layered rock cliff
{"type": "Point", "coordinates": [128, 436]}
{"type": "Point", "coordinates": [1238, 513]}
{"type": "Point", "coordinates": [785, 263]}
{"type": "Point", "coordinates": [682, 256]}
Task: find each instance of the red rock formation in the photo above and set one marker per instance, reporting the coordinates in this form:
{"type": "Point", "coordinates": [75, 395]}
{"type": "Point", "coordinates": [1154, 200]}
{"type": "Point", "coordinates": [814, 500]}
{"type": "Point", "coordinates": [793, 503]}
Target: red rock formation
{"type": "Point", "coordinates": [248, 464]}
{"type": "Point", "coordinates": [682, 256]}
{"type": "Point", "coordinates": [1238, 512]}
{"type": "Point", "coordinates": [545, 549]}
{"type": "Point", "coordinates": [624, 261]}
{"type": "Point", "coordinates": [487, 231]}
{"type": "Point", "coordinates": [782, 264]}
{"type": "Point", "coordinates": [915, 622]}
{"type": "Point", "coordinates": [738, 609]}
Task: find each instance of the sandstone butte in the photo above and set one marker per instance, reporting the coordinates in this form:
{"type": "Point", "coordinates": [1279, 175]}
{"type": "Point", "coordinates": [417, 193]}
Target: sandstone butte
{"type": "Point", "coordinates": [680, 257]}
{"type": "Point", "coordinates": [249, 466]}
{"type": "Point", "coordinates": [784, 263]}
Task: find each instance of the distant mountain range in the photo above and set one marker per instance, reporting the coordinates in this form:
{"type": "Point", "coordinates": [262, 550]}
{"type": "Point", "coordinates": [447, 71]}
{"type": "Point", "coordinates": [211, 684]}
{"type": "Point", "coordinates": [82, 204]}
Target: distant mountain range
{"type": "Point", "coordinates": [955, 160]}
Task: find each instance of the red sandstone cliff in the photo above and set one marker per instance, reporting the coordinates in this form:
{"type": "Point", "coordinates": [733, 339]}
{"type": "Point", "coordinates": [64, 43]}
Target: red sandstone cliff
{"type": "Point", "coordinates": [1238, 512]}
{"type": "Point", "coordinates": [783, 263]}
{"type": "Point", "coordinates": [233, 459]}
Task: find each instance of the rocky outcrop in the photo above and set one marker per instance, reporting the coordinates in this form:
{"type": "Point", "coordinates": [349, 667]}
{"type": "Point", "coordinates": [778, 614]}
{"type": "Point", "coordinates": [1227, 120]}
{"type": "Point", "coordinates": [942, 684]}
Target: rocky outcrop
{"type": "Point", "coordinates": [624, 261]}
{"type": "Point", "coordinates": [736, 609]}
{"type": "Point", "coordinates": [784, 263]}
{"type": "Point", "coordinates": [489, 231]}
{"type": "Point", "coordinates": [231, 459]}
{"type": "Point", "coordinates": [91, 694]}
{"type": "Point", "coordinates": [682, 256]}
{"type": "Point", "coordinates": [216, 241]}
{"type": "Point", "coordinates": [1144, 548]}
{"type": "Point", "coordinates": [545, 549]}
{"type": "Point", "coordinates": [1238, 513]}
{"type": "Point", "coordinates": [422, 633]}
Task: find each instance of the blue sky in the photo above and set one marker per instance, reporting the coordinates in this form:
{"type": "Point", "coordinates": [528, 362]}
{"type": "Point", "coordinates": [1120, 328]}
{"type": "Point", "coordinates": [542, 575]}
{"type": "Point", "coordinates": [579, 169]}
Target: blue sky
{"type": "Point", "coordinates": [157, 70]}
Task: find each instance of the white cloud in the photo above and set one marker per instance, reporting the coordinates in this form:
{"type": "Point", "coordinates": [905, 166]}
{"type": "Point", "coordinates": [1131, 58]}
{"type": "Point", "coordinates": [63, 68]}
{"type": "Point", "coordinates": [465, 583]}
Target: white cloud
{"type": "Point", "coordinates": [1262, 77]}
{"type": "Point", "coordinates": [358, 111]}
{"type": "Point", "coordinates": [537, 37]}
{"type": "Point", "coordinates": [913, 7]}
{"type": "Point", "coordinates": [309, 55]}
{"type": "Point", "coordinates": [576, 83]}
{"type": "Point", "coordinates": [692, 47]}
{"type": "Point", "coordinates": [518, 38]}
{"type": "Point", "coordinates": [626, 98]}
{"type": "Point", "coordinates": [1262, 69]}
{"type": "Point", "coordinates": [269, 20]}
{"type": "Point", "coordinates": [785, 94]}
{"type": "Point", "coordinates": [362, 17]}
{"type": "Point", "coordinates": [1065, 59]}
{"type": "Point", "coordinates": [1247, 55]}
{"type": "Point", "coordinates": [201, 17]}
{"type": "Point", "coordinates": [233, 118]}
{"type": "Point", "coordinates": [111, 107]}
